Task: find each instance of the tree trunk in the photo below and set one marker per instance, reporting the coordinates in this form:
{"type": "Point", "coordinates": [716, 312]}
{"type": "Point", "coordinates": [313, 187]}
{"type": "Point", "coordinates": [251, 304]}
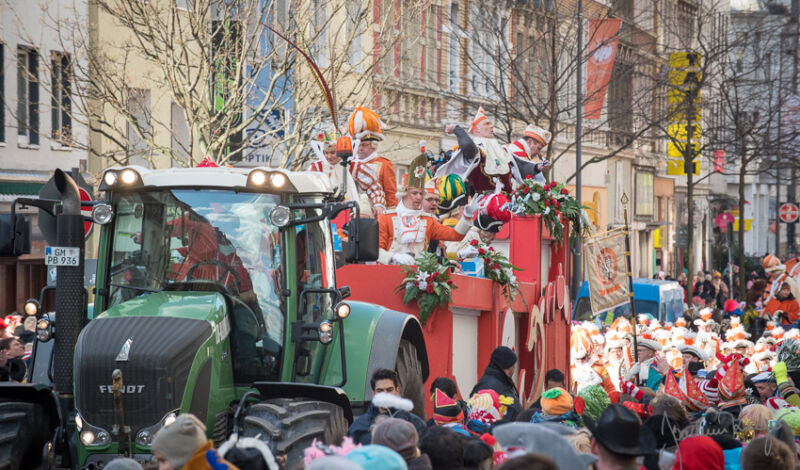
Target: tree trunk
{"type": "Point", "coordinates": [740, 238]}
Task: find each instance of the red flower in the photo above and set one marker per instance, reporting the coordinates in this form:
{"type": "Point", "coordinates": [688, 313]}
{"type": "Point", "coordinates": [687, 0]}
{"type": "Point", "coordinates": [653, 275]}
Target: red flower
{"type": "Point", "coordinates": [491, 249]}
{"type": "Point", "coordinates": [528, 177]}
{"type": "Point", "coordinates": [474, 243]}
{"type": "Point", "coordinates": [449, 282]}
{"type": "Point", "coordinates": [565, 191]}
{"type": "Point", "coordinates": [557, 204]}
{"type": "Point", "coordinates": [495, 266]}
{"type": "Point", "coordinates": [429, 289]}
{"type": "Point", "coordinates": [526, 190]}
{"type": "Point", "coordinates": [481, 251]}
{"type": "Point", "coordinates": [435, 275]}
{"type": "Point", "coordinates": [429, 278]}
{"type": "Point", "coordinates": [546, 202]}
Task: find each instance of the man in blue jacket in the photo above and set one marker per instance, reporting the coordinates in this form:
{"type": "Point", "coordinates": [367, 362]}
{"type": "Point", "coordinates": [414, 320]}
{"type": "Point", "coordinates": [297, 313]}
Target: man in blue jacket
{"type": "Point", "coordinates": [382, 381]}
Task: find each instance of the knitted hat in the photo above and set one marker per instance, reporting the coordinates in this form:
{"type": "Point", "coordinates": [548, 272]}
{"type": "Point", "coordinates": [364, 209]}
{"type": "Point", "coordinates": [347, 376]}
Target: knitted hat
{"type": "Point", "coordinates": [710, 389]}
{"type": "Point", "coordinates": [700, 453]}
{"type": "Point", "coordinates": [375, 456]}
{"type": "Point", "coordinates": [595, 401]}
{"type": "Point", "coordinates": [504, 357]}
{"type": "Point", "coordinates": [123, 464]}
{"type": "Point", "coordinates": [479, 116]}
{"type": "Point", "coordinates": [333, 462]}
{"type": "Point", "coordinates": [539, 134]}
{"type": "Point", "coordinates": [179, 440]}
{"type": "Point", "coordinates": [398, 435]}
{"type": "Point", "coordinates": [556, 401]}
{"type": "Point", "coordinates": [445, 409]}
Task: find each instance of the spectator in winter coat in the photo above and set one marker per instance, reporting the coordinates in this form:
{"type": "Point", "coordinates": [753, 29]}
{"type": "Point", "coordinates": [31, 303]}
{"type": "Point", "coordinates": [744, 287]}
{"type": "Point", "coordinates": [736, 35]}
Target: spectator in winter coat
{"type": "Point", "coordinates": [498, 377]}
{"type": "Point", "coordinates": [401, 437]}
{"type": "Point", "coordinates": [768, 453]}
{"type": "Point", "coordinates": [183, 445]}
{"type": "Point", "coordinates": [385, 386]}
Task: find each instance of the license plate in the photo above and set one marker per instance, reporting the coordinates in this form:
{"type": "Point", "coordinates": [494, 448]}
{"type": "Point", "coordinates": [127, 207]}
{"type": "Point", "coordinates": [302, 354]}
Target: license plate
{"type": "Point", "coordinates": [61, 256]}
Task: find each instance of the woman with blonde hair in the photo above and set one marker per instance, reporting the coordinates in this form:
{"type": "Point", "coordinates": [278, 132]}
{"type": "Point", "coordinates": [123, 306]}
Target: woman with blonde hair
{"type": "Point", "coordinates": [755, 420]}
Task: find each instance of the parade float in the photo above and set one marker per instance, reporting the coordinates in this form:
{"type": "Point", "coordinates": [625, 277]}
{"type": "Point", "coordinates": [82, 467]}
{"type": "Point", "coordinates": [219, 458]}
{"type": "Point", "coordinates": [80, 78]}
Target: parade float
{"type": "Point", "coordinates": [461, 334]}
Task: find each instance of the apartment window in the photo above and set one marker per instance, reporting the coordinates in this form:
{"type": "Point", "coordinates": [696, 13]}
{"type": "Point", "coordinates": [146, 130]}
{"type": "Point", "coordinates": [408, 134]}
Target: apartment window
{"type": "Point", "coordinates": [184, 4]}
{"type": "Point", "coordinates": [320, 22]}
{"type": "Point", "coordinates": [356, 20]}
{"type": "Point", "coordinates": [180, 143]}
{"type": "Point", "coordinates": [27, 96]}
{"type": "Point", "coordinates": [61, 100]}
{"type": "Point", "coordinates": [454, 60]}
{"type": "Point", "coordinates": [2, 94]}
{"type": "Point", "coordinates": [139, 132]}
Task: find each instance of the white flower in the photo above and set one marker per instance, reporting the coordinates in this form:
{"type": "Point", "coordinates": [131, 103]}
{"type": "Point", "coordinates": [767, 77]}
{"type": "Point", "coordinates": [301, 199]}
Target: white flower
{"type": "Point", "coordinates": [423, 285]}
{"type": "Point", "coordinates": [546, 210]}
{"type": "Point", "coordinates": [512, 279]}
{"type": "Point", "coordinates": [409, 285]}
{"type": "Point", "coordinates": [535, 196]}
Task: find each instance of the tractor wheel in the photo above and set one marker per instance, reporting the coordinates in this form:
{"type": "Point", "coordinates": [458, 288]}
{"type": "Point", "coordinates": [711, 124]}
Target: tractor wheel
{"type": "Point", "coordinates": [288, 426]}
{"type": "Point", "coordinates": [22, 435]}
{"type": "Point", "coordinates": [409, 369]}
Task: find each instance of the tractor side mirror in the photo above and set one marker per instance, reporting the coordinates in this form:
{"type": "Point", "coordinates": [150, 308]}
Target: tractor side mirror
{"type": "Point", "coordinates": [15, 235]}
{"type": "Point", "coordinates": [364, 240]}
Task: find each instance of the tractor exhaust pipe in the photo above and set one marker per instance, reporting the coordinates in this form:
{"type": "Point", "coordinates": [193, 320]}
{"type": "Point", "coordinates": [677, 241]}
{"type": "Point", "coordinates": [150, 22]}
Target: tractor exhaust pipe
{"type": "Point", "coordinates": [70, 294]}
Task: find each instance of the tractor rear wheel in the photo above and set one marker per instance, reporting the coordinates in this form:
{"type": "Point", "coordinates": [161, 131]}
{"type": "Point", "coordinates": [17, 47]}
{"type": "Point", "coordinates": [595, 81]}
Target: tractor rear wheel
{"type": "Point", "coordinates": [409, 370]}
{"type": "Point", "coordinates": [288, 426]}
{"type": "Point", "coordinates": [22, 435]}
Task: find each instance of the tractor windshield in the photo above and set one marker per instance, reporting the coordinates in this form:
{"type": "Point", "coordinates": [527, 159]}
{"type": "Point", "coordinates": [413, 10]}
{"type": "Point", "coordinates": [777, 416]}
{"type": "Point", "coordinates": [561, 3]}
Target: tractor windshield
{"type": "Point", "coordinates": [165, 239]}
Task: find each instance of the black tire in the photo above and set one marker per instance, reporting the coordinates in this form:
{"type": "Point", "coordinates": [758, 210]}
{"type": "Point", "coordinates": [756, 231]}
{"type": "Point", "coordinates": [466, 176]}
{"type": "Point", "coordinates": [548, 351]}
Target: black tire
{"type": "Point", "coordinates": [290, 425]}
{"type": "Point", "coordinates": [22, 435]}
{"type": "Point", "coordinates": [409, 370]}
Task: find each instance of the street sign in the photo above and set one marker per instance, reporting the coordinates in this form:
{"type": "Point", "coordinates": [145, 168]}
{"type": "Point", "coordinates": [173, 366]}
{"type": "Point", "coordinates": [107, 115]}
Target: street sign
{"type": "Point", "coordinates": [788, 212]}
{"type": "Point", "coordinates": [61, 256]}
{"type": "Point", "coordinates": [723, 219]}
{"type": "Point", "coordinates": [682, 236]}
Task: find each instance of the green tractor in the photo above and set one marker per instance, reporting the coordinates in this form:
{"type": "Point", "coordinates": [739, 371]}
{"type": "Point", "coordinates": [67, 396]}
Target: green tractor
{"type": "Point", "coordinates": [215, 295]}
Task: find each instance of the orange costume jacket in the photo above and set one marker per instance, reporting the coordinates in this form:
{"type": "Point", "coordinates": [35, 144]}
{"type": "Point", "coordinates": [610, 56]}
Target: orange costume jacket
{"type": "Point", "coordinates": [411, 234]}
{"type": "Point", "coordinates": [375, 176]}
{"type": "Point", "coordinates": [789, 306]}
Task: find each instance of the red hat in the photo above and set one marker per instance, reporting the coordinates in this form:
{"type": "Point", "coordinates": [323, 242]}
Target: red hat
{"type": "Point", "coordinates": [699, 453]}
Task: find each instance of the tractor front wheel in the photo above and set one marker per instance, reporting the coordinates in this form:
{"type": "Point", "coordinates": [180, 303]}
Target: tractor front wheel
{"type": "Point", "coordinates": [409, 370]}
{"type": "Point", "coordinates": [22, 435]}
{"type": "Point", "coordinates": [288, 426]}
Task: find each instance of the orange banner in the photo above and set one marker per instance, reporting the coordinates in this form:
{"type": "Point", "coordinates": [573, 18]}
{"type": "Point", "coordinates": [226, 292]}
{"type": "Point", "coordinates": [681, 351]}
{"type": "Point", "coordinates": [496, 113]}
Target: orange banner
{"type": "Point", "coordinates": [602, 50]}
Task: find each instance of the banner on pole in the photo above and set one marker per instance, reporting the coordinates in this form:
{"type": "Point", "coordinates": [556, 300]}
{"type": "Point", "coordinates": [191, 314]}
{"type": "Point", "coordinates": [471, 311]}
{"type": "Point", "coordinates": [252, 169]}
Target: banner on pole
{"type": "Point", "coordinates": [607, 271]}
{"type": "Point", "coordinates": [603, 43]}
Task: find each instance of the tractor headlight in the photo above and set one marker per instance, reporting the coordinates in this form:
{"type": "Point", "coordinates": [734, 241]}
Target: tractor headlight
{"type": "Point", "coordinates": [102, 214]}
{"type": "Point", "coordinates": [32, 307]}
{"type": "Point", "coordinates": [258, 178]}
{"type": "Point", "coordinates": [325, 332]}
{"type": "Point", "coordinates": [145, 435]}
{"type": "Point", "coordinates": [110, 178]}
{"type": "Point", "coordinates": [91, 435]}
{"type": "Point", "coordinates": [128, 176]}
{"type": "Point", "coordinates": [279, 216]}
{"type": "Point", "coordinates": [278, 180]}
{"type": "Point", "coordinates": [342, 310]}
{"type": "Point", "coordinates": [44, 329]}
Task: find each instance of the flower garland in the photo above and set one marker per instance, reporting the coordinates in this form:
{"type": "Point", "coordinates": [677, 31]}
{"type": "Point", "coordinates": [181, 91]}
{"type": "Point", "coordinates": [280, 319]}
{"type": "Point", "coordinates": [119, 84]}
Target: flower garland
{"type": "Point", "coordinates": [429, 283]}
{"type": "Point", "coordinates": [498, 268]}
{"type": "Point", "coordinates": [551, 202]}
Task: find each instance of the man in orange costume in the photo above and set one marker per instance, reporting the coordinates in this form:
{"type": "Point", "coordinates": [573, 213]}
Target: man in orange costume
{"type": "Point", "coordinates": [784, 302]}
{"type": "Point", "coordinates": [404, 235]}
{"type": "Point", "coordinates": [374, 175]}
